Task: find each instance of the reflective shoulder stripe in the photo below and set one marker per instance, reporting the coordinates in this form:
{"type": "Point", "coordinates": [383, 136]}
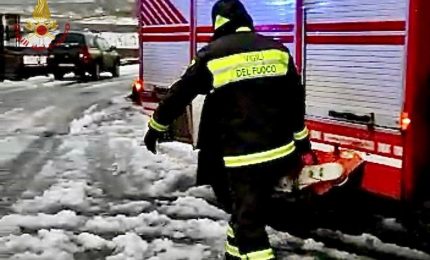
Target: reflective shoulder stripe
{"type": "Point", "coordinates": [248, 65]}
{"type": "Point", "coordinates": [157, 126]}
{"type": "Point", "coordinates": [256, 158]}
{"type": "Point", "coordinates": [298, 136]}
{"type": "Point", "coordinates": [220, 21]}
{"type": "Point", "coordinates": [243, 29]}
{"type": "Point", "coordinates": [192, 63]}
{"type": "Point", "coordinates": [261, 255]}
{"type": "Point", "coordinates": [232, 250]}
{"type": "Point", "coordinates": [230, 231]}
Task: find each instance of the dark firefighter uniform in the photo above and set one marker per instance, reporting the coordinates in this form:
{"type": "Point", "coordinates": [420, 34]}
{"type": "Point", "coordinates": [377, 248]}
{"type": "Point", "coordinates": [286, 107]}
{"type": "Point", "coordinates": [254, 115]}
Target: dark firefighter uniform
{"type": "Point", "coordinates": [256, 120]}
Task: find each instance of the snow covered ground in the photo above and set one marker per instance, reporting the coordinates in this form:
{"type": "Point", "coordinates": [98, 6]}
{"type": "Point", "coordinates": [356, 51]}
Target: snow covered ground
{"type": "Point", "coordinates": [104, 196]}
{"type": "Point", "coordinates": [19, 127]}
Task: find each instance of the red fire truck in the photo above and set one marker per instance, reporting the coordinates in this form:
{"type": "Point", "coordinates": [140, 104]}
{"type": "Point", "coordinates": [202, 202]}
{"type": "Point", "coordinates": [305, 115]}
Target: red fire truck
{"type": "Point", "coordinates": [365, 65]}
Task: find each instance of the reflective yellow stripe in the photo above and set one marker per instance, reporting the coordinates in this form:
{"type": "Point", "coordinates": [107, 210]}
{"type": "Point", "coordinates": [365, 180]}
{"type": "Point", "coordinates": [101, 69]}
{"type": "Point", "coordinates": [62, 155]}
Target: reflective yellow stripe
{"type": "Point", "coordinates": [232, 250]}
{"type": "Point", "coordinates": [192, 62]}
{"type": "Point", "coordinates": [243, 29]}
{"type": "Point", "coordinates": [230, 232]}
{"type": "Point", "coordinates": [220, 21]}
{"type": "Point", "coordinates": [302, 134]}
{"type": "Point", "coordinates": [255, 158]}
{"type": "Point", "coordinates": [157, 126]}
{"type": "Point", "coordinates": [249, 65]}
{"type": "Point", "coordinates": [260, 255]}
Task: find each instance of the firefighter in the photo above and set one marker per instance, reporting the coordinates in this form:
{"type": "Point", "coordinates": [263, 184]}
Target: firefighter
{"type": "Point", "coordinates": [255, 124]}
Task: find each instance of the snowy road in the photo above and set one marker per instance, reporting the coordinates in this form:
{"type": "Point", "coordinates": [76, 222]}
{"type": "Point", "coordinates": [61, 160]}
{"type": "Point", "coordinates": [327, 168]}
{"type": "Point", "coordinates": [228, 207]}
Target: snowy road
{"type": "Point", "coordinates": [76, 183]}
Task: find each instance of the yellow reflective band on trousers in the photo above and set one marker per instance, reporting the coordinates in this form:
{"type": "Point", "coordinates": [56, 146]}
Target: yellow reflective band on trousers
{"type": "Point", "coordinates": [157, 126]}
{"type": "Point", "coordinates": [230, 232]}
{"type": "Point", "coordinates": [260, 255]}
{"type": "Point", "coordinates": [248, 65]}
{"type": "Point", "coordinates": [232, 250]}
{"type": "Point", "coordinates": [302, 134]}
{"type": "Point", "coordinates": [256, 158]}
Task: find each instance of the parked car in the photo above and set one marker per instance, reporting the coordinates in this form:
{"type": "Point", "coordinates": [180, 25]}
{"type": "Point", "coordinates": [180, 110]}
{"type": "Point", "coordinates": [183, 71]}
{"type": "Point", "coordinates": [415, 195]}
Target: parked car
{"type": "Point", "coordinates": [82, 53]}
{"type": "Point", "coordinates": [20, 63]}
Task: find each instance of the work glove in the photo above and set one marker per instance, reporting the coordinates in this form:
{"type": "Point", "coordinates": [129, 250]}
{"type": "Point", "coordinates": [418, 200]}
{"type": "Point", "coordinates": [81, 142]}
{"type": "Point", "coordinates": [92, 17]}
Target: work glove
{"type": "Point", "coordinates": [309, 158]}
{"type": "Point", "coordinates": [151, 139]}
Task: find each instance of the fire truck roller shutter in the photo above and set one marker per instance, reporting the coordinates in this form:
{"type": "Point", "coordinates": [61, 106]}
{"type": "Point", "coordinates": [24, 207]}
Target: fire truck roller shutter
{"type": "Point", "coordinates": [166, 46]}
{"type": "Point", "coordinates": [355, 56]}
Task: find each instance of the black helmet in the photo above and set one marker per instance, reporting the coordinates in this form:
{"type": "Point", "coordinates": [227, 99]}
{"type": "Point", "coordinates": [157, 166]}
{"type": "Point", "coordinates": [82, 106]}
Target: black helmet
{"type": "Point", "coordinates": [228, 16]}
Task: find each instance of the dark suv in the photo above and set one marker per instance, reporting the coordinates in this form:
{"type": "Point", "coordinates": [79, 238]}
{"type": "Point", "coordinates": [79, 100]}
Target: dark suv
{"type": "Point", "coordinates": [82, 53]}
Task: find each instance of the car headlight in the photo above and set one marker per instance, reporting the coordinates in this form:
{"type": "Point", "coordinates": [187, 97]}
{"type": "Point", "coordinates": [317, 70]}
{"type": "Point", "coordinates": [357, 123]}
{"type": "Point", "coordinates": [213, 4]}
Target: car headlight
{"type": "Point", "coordinates": [81, 55]}
{"type": "Point", "coordinates": [51, 56]}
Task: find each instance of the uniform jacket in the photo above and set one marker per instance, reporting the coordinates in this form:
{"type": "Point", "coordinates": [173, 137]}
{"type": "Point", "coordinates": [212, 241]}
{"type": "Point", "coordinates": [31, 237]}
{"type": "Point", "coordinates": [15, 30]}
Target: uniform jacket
{"type": "Point", "coordinates": [257, 103]}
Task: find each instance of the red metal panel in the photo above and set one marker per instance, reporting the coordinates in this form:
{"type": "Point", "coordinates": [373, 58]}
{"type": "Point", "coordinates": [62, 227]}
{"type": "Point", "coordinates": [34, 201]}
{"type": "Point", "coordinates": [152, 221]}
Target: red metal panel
{"type": "Point", "coordinates": [204, 38]}
{"type": "Point", "coordinates": [359, 39]}
{"type": "Point", "coordinates": [259, 28]}
{"type": "Point", "coordinates": [148, 18]}
{"type": "Point", "coordinates": [140, 23]}
{"type": "Point", "coordinates": [285, 38]}
{"type": "Point", "coordinates": [165, 38]}
{"type": "Point", "coordinates": [155, 13]}
{"type": "Point", "coordinates": [299, 35]}
{"type": "Point", "coordinates": [275, 28]}
{"type": "Point", "coordinates": [205, 29]}
{"type": "Point", "coordinates": [363, 134]}
{"type": "Point", "coordinates": [159, 10]}
{"type": "Point", "coordinates": [193, 30]}
{"type": "Point", "coordinates": [417, 146]}
{"type": "Point", "coordinates": [382, 180]}
{"type": "Point", "coordinates": [208, 29]}
{"type": "Point", "coordinates": [168, 11]}
{"type": "Point", "coordinates": [176, 12]}
{"type": "Point", "coordinates": [357, 26]}
{"type": "Point", "coordinates": [166, 29]}
{"type": "Point", "coordinates": [356, 132]}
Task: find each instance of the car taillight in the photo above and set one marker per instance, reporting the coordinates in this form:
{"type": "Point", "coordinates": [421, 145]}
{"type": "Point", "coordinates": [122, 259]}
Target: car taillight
{"type": "Point", "coordinates": [85, 54]}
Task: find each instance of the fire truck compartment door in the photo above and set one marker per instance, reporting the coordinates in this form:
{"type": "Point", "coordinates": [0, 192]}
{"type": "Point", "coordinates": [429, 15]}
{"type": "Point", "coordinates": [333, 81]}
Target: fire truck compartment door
{"type": "Point", "coordinates": [352, 65]}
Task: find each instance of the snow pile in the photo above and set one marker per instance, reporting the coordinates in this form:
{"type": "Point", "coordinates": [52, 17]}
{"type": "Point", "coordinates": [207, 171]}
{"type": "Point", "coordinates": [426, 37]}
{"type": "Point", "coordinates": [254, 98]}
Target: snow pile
{"type": "Point", "coordinates": [64, 195]}
{"type": "Point", "coordinates": [372, 242]}
{"type": "Point", "coordinates": [48, 244]}
{"type": "Point", "coordinates": [154, 224]}
{"type": "Point", "coordinates": [90, 241]}
{"type": "Point", "coordinates": [133, 207]}
{"type": "Point", "coordinates": [79, 125]}
{"type": "Point", "coordinates": [203, 192]}
{"type": "Point", "coordinates": [187, 207]}
{"type": "Point", "coordinates": [65, 219]}
{"type": "Point", "coordinates": [285, 240]}
{"type": "Point", "coordinates": [165, 249]}
{"type": "Point", "coordinates": [129, 246]}
{"type": "Point", "coordinates": [58, 244]}
{"type": "Point", "coordinates": [136, 205]}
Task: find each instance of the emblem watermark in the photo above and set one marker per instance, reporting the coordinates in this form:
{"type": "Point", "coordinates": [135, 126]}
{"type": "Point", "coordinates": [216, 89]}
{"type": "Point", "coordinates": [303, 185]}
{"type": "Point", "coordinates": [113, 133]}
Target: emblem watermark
{"type": "Point", "coordinates": [40, 29]}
